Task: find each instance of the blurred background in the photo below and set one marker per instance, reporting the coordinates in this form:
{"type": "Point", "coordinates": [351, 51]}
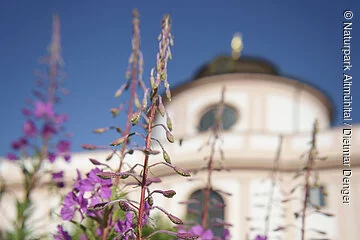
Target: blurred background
{"type": "Point", "coordinates": [303, 39]}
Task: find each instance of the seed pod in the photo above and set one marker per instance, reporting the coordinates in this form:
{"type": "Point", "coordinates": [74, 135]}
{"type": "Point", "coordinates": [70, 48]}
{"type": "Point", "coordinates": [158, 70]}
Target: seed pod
{"type": "Point", "coordinates": [118, 141]}
{"type": "Point", "coordinates": [166, 157]}
{"type": "Point", "coordinates": [144, 101]}
{"type": "Point", "coordinates": [168, 123]}
{"type": "Point", "coordinates": [100, 130]}
{"type": "Point", "coordinates": [168, 94]}
{"type": "Point", "coordinates": [135, 117]}
{"type": "Point", "coordinates": [137, 101]}
{"type": "Point", "coordinates": [114, 111]}
{"type": "Point", "coordinates": [161, 108]}
{"type": "Point", "coordinates": [170, 137]}
{"type": "Point", "coordinates": [150, 200]}
{"type": "Point", "coordinates": [120, 90]}
{"type": "Point", "coordinates": [182, 172]}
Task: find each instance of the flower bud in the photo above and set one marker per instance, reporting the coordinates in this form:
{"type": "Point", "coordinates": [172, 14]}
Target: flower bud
{"type": "Point", "coordinates": [182, 172]}
{"type": "Point", "coordinates": [169, 193]}
{"type": "Point", "coordinates": [137, 101]}
{"type": "Point", "coordinates": [144, 101]}
{"type": "Point", "coordinates": [106, 175]}
{"type": "Point", "coordinates": [166, 157]}
{"type": "Point", "coordinates": [168, 94]}
{"type": "Point", "coordinates": [100, 130]}
{"type": "Point", "coordinates": [98, 206]}
{"type": "Point", "coordinates": [150, 200]}
{"type": "Point", "coordinates": [187, 236]}
{"type": "Point", "coordinates": [168, 123]}
{"type": "Point", "coordinates": [135, 117]}
{"type": "Point", "coordinates": [114, 111]}
{"type": "Point", "coordinates": [170, 137]}
{"type": "Point", "coordinates": [94, 161]}
{"type": "Point", "coordinates": [120, 90]}
{"type": "Point", "coordinates": [174, 219]}
{"type": "Point", "coordinates": [161, 108]}
{"type": "Point", "coordinates": [124, 206]}
{"type": "Point", "coordinates": [118, 141]}
{"type": "Point", "coordinates": [88, 146]}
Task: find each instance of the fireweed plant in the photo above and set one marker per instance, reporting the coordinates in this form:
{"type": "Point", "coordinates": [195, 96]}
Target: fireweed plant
{"type": "Point", "coordinates": [204, 230]}
{"type": "Point", "coordinates": [275, 180]}
{"type": "Point", "coordinates": [43, 139]}
{"type": "Point", "coordinates": [96, 197]}
{"type": "Point", "coordinates": [310, 176]}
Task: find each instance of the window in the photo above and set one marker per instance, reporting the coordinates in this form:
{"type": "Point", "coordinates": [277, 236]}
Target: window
{"type": "Point", "coordinates": [229, 117]}
{"type": "Point", "coordinates": [316, 196]}
{"type": "Point", "coordinates": [195, 210]}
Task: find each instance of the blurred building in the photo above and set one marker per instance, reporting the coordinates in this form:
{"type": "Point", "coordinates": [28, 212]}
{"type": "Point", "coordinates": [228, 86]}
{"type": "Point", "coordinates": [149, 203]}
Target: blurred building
{"type": "Point", "coordinates": [260, 106]}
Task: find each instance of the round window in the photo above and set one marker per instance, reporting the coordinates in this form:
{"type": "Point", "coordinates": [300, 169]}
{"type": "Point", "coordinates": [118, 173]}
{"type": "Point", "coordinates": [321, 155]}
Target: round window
{"type": "Point", "coordinates": [229, 117]}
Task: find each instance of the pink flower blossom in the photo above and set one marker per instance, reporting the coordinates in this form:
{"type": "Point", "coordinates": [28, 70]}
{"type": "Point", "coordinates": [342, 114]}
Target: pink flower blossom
{"type": "Point", "coordinates": [48, 131]}
{"type": "Point", "coordinates": [29, 128]}
{"type": "Point", "coordinates": [12, 157]}
{"type": "Point", "coordinates": [26, 112]}
{"type": "Point", "coordinates": [44, 110]}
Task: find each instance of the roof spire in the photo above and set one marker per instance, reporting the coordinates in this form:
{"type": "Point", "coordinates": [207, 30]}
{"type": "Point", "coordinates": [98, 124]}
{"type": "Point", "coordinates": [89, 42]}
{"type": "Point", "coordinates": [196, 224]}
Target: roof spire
{"type": "Point", "coordinates": [236, 46]}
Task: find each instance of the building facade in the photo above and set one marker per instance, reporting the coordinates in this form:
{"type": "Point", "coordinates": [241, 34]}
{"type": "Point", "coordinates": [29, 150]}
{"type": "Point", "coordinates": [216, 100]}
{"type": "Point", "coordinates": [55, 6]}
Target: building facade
{"type": "Point", "coordinates": [261, 109]}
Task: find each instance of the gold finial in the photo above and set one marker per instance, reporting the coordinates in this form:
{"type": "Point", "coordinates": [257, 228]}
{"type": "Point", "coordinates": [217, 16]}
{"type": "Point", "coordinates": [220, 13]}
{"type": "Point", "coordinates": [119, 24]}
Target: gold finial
{"type": "Point", "coordinates": [236, 46]}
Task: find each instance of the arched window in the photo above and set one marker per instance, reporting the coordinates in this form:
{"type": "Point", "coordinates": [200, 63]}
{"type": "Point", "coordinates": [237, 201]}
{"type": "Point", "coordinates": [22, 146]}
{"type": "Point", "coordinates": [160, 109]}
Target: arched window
{"type": "Point", "coordinates": [229, 117]}
{"type": "Point", "coordinates": [216, 210]}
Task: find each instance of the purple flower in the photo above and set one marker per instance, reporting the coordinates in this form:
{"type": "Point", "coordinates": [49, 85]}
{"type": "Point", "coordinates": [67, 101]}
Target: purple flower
{"type": "Point", "coordinates": [26, 112]}
{"type": "Point", "coordinates": [67, 158]}
{"type": "Point", "coordinates": [58, 178]}
{"type": "Point", "coordinates": [51, 157]}
{"type": "Point", "coordinates": [48, 131]}
{"type": "Point", "coordinates": [61, 118]}
{"type": "Point", "coordinates": [226, 234]}
{"type": "Point", "coordinates": [98, 186]}
{"type": "Point", "coordinates": [203, 233]}
{"type": "Point", "coordinates": [22, 142]}
{"type": "Point", "coordinates": [16, 145]}
{"type": "Point", "coordinates": [62, 234]}
{"type": "Point", "coordinates": [122, 226]}
{"type": "Point", "coordinates": [200, 231]}
{"type": "Point", "coordinates": [42, 109]}
{"type": "Point", "coordinates": [29, 128]}
{"type": "Point", "coordinates": [83, 237]}
{"type": "Point", "coordinates": [259, 237]}
{"type": "Point", "coordinates": [73, 203]}
{"type": "Point", "coordinates": [146, 215]}
{"type": "Point", "coordinates": [63, 147]}
{"type": "Point", "coordinates": [12, 157]}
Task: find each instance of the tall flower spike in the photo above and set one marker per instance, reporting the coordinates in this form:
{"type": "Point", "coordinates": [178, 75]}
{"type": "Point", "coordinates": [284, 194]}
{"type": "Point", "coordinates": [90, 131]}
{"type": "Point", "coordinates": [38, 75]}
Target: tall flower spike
{"type": "Point", "coordinates": [41, 127]}
{"type": "Point", "coordinates": [158, 75]}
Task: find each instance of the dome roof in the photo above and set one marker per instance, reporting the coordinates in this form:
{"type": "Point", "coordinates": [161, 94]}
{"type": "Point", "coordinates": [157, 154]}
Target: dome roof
{"type": "Point", "coordinates": [225, 64]}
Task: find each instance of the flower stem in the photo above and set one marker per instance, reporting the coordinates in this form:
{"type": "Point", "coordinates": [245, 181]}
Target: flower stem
{"type": "Point", "coordinates": [211, 158]}
{"type": "Point", "coordinates": [145, 172]}
{"type": "Point", "coordinates": [274, 176]}
{"type": "Point", "coordinates": [310, 161]}
{"type": "Point", "coordinates": [134, 81]}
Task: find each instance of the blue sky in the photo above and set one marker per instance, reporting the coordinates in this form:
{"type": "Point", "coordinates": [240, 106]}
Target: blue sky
{"type": "Point", "coordinates": [302, 38]}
